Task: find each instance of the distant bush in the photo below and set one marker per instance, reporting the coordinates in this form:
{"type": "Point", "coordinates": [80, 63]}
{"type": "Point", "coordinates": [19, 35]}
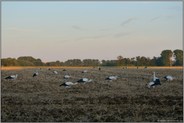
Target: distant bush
{"type": "Point", "coordinates": [167, 58]}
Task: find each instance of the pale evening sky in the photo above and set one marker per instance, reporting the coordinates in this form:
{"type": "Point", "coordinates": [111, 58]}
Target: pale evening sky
{"type": "Point", "coordinates": [97, 30]}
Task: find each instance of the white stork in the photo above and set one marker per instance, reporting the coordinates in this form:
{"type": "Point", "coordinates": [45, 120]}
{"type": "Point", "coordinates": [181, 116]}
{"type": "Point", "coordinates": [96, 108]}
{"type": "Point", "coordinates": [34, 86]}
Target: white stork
{"type": "Point", "coordinates": [168, 78]}
{"type": "Point", "coordinates": [68, 84]}
{"type": "Point", "coordinates": [35, 74]}
{"type": "Point", "coordinates": [112, 78]}
{"type": "Point", "coordinates": [55, 72]}
{"type": "Point", "coordinates": [155, 78]}
{"type": "Point", "coordinates": [84, 71]}
{"type": "Point", "coordinates": [67, 76]}
{"type": "Point", "coordinates": [12, 76]}
{"type": "Point", "coordinates": [155, 81]}
{"type": "Point", "coordinates": [84, 80]}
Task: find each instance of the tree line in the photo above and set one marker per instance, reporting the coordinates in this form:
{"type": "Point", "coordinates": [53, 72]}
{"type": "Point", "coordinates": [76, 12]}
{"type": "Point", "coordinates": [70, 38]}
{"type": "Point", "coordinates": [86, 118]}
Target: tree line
{"type": "Point", "coordinates": [167, 58]}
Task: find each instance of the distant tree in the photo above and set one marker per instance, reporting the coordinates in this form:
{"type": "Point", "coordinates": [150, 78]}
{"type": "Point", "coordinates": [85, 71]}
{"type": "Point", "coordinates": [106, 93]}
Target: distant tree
{"type": "Point", "coordinates": [166, 56]}
{"type": "Point", "coordinates": [145, 61]}
{"type": "Point", "coordinates": [153, 61]}
{"type": "Point", "coordinates": [159, 61]}
{"type": "Point", "coordinates": [25, 63]}
{"type": "Point", "coordinates": [61, 63]}
{"type": "Point", "coordinates": [9, 62]}
{"type": "Point", "coordinates": [138, 60]}
{"type": "Point", "coordinates": [73, 62]}
{"type": "Point", "coordinates": [53, 63]}
{"type": "Point", "coordinates": [166, 59]}
{"type": "Point", "coordinates": [95, 62]}
{"type": "Point", "coordinates": [29, 61]}
{"type": "Point", "coordinates": [109, 62]}
{"type": "Point", "coordinates": [77, 62]}
{"type": "Point", "coordinates": [38, 62]}
{"type": "Point", "coordinates": [103, 62]}
{"type": "Point", "coordinates": [91, 62]}
{"type": "Point", "coordinates": [57, 63]}
{"type": "Point", "coordinates": [27, 58]}
{"type": "Point", "coordinates": [178, 54]}
{"type": "Point", "coordinates": [132, 61]}
{"type": "Point", "coordinates": [127, 61]}
{"type": "Point", "coordinates": [120, 60]}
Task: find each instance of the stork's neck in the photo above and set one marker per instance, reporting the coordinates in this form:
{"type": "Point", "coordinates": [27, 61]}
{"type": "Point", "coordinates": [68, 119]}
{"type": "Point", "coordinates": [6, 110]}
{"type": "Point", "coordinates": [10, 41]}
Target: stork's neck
{"type": "Point", "coordinates": [153, 74]}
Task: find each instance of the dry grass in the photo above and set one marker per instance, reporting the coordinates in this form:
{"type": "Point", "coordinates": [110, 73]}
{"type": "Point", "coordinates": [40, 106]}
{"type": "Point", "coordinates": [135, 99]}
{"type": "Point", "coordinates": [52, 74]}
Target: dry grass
{"type": "Point", "coordinates": [41, 98]}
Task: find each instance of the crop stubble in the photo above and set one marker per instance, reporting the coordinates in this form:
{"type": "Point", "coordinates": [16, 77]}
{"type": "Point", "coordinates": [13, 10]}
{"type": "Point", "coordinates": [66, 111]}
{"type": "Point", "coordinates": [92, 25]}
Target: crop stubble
{"type": "Point", "coordinates": [41, 98]}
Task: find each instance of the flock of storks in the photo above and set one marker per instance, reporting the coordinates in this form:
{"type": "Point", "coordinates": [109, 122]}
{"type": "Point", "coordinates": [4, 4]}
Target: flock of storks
{"type": "Point", "coordinates": [154, 81]}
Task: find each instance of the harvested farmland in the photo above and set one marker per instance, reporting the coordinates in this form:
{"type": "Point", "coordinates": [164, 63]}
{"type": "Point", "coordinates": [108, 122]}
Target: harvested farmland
{"type": "Point", "coordinates": [127, 99]}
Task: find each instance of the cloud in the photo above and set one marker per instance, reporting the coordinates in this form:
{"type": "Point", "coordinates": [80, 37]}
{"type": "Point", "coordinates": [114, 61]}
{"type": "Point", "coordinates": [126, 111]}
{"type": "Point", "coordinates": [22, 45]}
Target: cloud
{"type": "Point", "coordinates": [17, 29]}
{"type": "Point", "coordinates": [161, 17]}
{"type": "Point", "coordinates": [175, 8]}
{"type": "Point", "coordinates": [77, 27]}
{"type": "Point", "coordinates": [106, 29]}
{"type": "Point", "coordinates": [155, 18]}
{"type": "Point", "coordinates": [125, 22]}
{"type": "Point", "coordinates": [118, 35]}
{"type": "Point", "coordinates": [93, 37]}
{"type": "Point", "coordinates": [169, 16]}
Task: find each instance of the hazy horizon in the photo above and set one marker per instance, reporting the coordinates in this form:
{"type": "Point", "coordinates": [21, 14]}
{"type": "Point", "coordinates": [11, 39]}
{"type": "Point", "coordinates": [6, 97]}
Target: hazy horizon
{"type": "Point", "coordinates": [96, 30]}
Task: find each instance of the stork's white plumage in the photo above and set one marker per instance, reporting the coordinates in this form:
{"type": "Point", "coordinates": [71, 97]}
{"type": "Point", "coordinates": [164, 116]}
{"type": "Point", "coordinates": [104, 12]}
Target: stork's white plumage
{"type": "Point", "coordinates": [155, 81]}
{"type": "Point", "coordinates": [67, 84]}
{"type": "Point", "coordinates": [84, 71]}
{"type": "Point", "coordinates": [35, 74]}
{"type": "Point", "coordinates": [155, 78]}
{"type": "Point", "coordinates": [150, 84]}
{"type": "Point", "coordinates": [55, 72]}
{"type": "Point", "coordinates": [112, 78]}
{"type": "Point", "coordinates": [153, 84]}
{"type": "Point", "coordinates": [12, 76]}
{"type": "Point", "coordinates": [84, 80]}
{"type": "Point", "coordinates": [67, 76]}
{"type": "Point", "coordinates": [169, 78]}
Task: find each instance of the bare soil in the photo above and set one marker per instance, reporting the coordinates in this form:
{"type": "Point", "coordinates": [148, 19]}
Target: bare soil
{"type": "Point", "coordinates": [42, 99]}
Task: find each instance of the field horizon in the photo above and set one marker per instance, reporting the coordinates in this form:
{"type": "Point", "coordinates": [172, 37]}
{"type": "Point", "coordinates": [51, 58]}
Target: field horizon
{"type": "Point", "coordinates": [128, 67]}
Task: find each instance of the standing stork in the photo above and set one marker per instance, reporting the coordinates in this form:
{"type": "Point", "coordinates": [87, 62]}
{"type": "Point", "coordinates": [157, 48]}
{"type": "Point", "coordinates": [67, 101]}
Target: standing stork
{"type": "Point", "coordinates": [155, 78]}
{"type": "Point", "coordinates": [155, 81]}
